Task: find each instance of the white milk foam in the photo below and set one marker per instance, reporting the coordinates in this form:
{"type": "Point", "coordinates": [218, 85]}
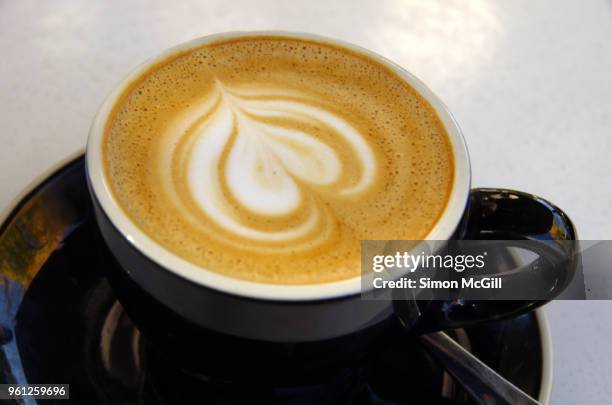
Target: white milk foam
{"type": "Point", "coordinates": [264, 161]}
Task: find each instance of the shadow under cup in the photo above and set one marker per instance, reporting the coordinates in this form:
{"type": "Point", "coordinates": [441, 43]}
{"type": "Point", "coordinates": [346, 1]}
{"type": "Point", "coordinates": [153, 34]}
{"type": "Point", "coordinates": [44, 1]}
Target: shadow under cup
{"type": "Point", "coordinates": [207, 353]}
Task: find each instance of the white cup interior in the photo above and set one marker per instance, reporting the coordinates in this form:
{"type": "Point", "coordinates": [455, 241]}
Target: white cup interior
{"type": "Point", "coordinates": [443, 229]}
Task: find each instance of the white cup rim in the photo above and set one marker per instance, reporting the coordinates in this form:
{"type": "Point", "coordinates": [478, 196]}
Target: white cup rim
{"type": "Point", "coordinates": [443, 229]}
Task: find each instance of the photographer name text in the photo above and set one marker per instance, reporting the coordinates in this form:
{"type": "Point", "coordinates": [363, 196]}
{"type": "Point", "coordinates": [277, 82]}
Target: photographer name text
{"type": "Point", "coordinates": [433, 264]}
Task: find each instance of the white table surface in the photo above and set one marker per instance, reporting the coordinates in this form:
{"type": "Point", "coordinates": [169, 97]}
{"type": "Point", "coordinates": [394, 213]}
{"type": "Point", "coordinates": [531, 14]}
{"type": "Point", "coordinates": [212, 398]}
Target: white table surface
{"type": "Point", "coordinates": [530, 83]}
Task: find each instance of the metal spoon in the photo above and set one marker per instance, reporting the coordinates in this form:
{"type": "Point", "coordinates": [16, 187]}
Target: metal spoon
{"type": "Point", "coordinates": [483, 384]}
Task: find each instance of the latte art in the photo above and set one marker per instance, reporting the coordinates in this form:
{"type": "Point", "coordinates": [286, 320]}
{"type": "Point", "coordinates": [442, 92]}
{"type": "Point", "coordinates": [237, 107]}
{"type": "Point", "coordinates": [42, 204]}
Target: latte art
{"type": "Point", "coordinates": [269, 158]}
{"type": "Point", "coordinates": [245, 152]}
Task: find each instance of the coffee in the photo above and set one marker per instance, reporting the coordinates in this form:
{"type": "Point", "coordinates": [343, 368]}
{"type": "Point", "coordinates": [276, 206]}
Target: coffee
{"type": "Point", "coordinates": [270, 158]}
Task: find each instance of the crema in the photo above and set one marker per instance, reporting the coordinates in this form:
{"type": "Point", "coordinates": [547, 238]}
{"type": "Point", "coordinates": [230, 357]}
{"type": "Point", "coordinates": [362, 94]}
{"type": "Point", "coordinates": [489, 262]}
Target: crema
{"type": "Point", "coordinates": [269, 159]}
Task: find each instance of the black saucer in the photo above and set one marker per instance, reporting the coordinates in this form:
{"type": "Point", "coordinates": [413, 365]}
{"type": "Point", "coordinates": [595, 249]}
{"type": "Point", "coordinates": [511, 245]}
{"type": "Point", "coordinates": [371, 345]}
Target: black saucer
{"type": "Point", "coordinates": [60, 323]}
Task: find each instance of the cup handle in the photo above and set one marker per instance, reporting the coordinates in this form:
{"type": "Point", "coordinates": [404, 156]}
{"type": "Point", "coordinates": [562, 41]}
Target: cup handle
{"type": "Point", "coordinates": [503, 215]}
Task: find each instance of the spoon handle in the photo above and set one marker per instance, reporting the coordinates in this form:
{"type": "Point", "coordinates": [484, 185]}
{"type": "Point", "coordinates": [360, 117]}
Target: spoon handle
{"type": "Point", "coordinates": [481, 382]}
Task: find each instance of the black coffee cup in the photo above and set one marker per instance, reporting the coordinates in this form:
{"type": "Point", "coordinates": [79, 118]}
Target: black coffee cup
{"type": "Point", "coordinates": [303, 330]}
